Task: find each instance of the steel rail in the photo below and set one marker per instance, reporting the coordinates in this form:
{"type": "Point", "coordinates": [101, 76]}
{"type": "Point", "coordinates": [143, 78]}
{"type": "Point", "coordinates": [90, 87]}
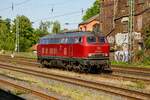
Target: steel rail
{"type": "Point", "coordinates": [131, 68]}
{"type": "Point", "coordinates": [115, 67]}
{"type": "Point", "coordinates": [130, 78]}
{"type": "Point", "coordinates": [114, 75]}
{"type": "Point", "coordinates": [131, 71]}
{"type": "Point", "coordinates": [39, 94]}
{"type": "Point", "coordinates": [130, 94]}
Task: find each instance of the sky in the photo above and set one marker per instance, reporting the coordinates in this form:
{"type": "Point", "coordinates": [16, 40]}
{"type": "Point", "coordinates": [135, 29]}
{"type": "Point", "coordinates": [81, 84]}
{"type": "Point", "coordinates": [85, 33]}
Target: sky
{"type": "Point", "coordinates": [64, 11]}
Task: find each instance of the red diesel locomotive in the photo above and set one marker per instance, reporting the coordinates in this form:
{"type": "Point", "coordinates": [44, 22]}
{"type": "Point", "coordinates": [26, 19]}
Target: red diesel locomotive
{"type": "Point", "coordinates": [78, 51]}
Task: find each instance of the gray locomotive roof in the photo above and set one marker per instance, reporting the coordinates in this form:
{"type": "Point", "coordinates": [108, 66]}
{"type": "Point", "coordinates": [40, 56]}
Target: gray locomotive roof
{"type": "Point", "coordinates": [68, 34]}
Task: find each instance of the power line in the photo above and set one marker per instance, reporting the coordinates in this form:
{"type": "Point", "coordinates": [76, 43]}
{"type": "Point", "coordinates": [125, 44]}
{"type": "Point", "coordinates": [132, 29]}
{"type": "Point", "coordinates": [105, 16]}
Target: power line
{"type": "Point", "coordinates": [61, 15]}
{"type": "Point", "coordinates": [16, 4]}
{"type": "Point", "coordinates": [59, 3]}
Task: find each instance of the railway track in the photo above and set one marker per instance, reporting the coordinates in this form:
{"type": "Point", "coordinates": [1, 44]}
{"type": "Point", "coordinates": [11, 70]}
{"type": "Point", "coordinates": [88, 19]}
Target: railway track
{"type": "Point", "coordinates": [130, 94]}
{"type": "Point", "coordinates": [137, 70]}
{"type": "Point", "coordinates": [18, 58]}
{"type": "Point", "coordinates": [144, 73]}
{"type": "Point", "coordinates": [127, 78]}
{"type": "Point", "coordinates": [131, 71]}
{"type": "Point", "coordinates": [39, 94]}
{"type": "Point", "coordinates": [133, 68]}
{"type": "Point", "coordinates": [116, 68]}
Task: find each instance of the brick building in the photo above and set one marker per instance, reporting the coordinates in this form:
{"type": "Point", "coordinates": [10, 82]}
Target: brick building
{"type": "Point", "coordinates": [114, 21]}
{"type": "Point", "coordinates": [89, 24]}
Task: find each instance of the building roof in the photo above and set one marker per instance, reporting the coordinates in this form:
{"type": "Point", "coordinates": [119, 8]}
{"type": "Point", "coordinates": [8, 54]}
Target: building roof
{"type": "Point", "coordinates": [96, 17]}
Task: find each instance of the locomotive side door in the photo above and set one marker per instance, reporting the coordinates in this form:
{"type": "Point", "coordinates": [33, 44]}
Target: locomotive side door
{"type": "Point", "coordinates": [70, 50]}
{"type": "Point", "coordinates": [70, 47]}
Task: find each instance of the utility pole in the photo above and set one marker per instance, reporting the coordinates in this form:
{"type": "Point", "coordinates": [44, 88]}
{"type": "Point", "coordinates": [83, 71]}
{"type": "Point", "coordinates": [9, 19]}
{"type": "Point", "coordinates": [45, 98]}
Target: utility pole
{"type": "Point", "coordinates": [130, 30]}
{"type": "Point", "coordinates": [17, 35]}
{"type": "Point", "coordinates": [100, 12]}
{"type": "Point", "coordinates": [114, 12]}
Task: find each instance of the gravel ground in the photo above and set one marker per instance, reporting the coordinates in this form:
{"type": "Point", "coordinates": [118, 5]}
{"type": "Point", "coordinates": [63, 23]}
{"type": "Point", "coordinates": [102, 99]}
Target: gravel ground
{"type": "Point", "coordinates": [139, 85]}
{"type": "Point", "coordinates": [27, 81]}
{"type": "Point", "coordinates": [56, 88]}
{"type": "Point", "coordinates": [77, 92]}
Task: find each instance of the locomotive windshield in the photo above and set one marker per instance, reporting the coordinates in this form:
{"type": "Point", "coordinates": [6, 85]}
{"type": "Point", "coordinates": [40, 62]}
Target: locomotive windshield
{"type": "Point", "coordinates": [101, 39]}
{"type": "Point", "coordinates": [94, 39]}
{"type": "Point", "coordinates": [91, 39]}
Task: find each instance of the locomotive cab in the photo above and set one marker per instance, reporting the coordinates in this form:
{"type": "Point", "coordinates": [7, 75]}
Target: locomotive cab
{"type": "Point", "coordinates": [97, 52]}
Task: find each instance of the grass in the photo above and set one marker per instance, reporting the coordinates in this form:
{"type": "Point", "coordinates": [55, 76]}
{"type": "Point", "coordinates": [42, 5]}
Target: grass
{"type": "Point", "coordinates": [73, 92]}
{"type": "Point", "coordinates": [22, 54]}
{"type": "Point", "coordinates": [19, 92]}
{"type": "Point", "coordinates": [19, 78]}
{"type": "Point", "coordinates": [135, 85]}
{"type": "Point", "coordinates": [125, 64]}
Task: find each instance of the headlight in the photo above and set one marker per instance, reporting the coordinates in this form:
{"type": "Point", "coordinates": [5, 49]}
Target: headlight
{"type": "Point", "coordinates": [90, 54]}
{"type": "Point", "coordinates": [105, 54]}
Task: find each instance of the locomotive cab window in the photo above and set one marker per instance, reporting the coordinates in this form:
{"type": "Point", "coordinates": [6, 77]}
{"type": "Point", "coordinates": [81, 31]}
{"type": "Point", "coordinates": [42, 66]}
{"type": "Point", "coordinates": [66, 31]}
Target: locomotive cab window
{"type": "Point", "coordinates": [78, 40]}
{"type": "Point", "coordinates": [101, 39]}
{"type": "Point", "coordinates": [91, 39]}
{"type": "Point", "coordinates": [70, 40]}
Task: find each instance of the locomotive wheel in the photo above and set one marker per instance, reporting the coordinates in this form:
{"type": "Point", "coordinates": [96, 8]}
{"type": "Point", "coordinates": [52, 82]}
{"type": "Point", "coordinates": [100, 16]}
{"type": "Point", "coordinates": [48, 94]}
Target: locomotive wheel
{"type": "Point", "coordinates": [80, 68]}
{"type": "Point", "coordinates": [69, 67]}
{"type": "Point", "coordinates": [89, 69]}
{"type": "Point", "coordinates": [76, 68]}
{"type": "Point", "coordinates": [92, 69]}
{"type": "Point", "coordinates": [44, 63]}
{"type": "Point", "coordinates": [83, 69]}
{"type": "Point", "coordinates": [100, 69]}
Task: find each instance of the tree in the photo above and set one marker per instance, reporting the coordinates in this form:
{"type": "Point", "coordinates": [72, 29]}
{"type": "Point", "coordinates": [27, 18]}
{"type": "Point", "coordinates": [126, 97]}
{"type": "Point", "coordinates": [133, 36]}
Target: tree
{"type": "Point", "coordinates": [56, 27]}
{"type": "Point", "coordinates": [146, 31]}
{"type": "Point", "coordinates": [44, 26]}
{"type": "Point", "coordinates": [94, 10]}
{"type": "Point", "coordinates": [6, 37]}
{"type": "Point", "coordinates": [25, 32]}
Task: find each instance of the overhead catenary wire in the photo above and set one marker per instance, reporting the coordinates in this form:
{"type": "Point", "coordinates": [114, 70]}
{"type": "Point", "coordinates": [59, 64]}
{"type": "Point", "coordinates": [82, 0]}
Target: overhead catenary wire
{"type": "Point", "coordinates": [61, 15]}
{"type": "Point", "coordinates": [14, 4]}
{"type": "Point", "coordinates": [59, 3]}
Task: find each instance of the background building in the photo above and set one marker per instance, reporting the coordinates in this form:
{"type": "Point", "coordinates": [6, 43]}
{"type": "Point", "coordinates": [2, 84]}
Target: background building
{"type": "Point", "coordinates": [115, 21]}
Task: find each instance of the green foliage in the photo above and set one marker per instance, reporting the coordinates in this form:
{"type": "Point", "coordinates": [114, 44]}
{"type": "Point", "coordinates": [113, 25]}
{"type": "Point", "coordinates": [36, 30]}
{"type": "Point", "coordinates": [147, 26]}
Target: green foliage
{"type": "Point", "coordinates": [56, 27]}
{"type": "Point", "coordinates": [6, 37]}
{"type": "Point", "coordinates": [44, 26]}
{"type": "Point", "coordinates": [146, 31]}
{"type": "Point", "coordinates": [146, 60]}
{"type": "Point", "coordinates": [26, 34]}
{"type": "Point", "coordinates": [136, 85]}
{"type": "Point", "coordinates": [94, 10]}
{"type": "Point", "coordinates": [138, 56]}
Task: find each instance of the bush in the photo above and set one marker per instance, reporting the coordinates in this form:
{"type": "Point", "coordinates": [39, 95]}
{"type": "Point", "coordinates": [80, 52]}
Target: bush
{"type": "Point", "coordinates": [146, 60]}
{"type": "Point", "coordinates": [139, 55]}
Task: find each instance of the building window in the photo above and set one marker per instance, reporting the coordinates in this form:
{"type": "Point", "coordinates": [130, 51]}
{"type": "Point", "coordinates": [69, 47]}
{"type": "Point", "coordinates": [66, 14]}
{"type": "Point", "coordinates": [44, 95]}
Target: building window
{"type": "Point", "coordinates": [125, 27]}
{"type": "Point", "coordinates": [139, 22]}
{"type": "Point", "coordinates": [148, 4]}
{"type": "Point", "coordinates": [96, 28]}
{"type": "Point", "coordinates": [140, 1]}
{"type": "Point", "coordinates": [84, 28]}
{"type": "Point", "coordinates": [80, 28]}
